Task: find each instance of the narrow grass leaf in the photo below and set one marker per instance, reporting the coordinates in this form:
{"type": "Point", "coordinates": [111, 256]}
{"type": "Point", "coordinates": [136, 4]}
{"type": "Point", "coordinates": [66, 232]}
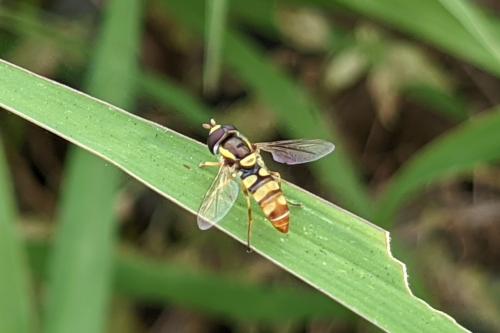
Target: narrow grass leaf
{"type": "Point", "coordinates": [300, 116]}
{"type": "Point", "coordinates": [168, 93]}
{"type": "Point", "coordinates": [162, 282]}
{"type": "Point", "coordinates": [476, 23]}
{"type": "Point", "coordinates": [217, 294]}
{"type": "Point", "coordinates": [336, 252]}
{"type": "Point", "coordinates": [430, 21]}
{"type": "Point", "coordinates": [260, 14]}
{"type": "Point", "coordinates": [25, 23]}
{"type": "Point", "coordinates": [448, 105]}
{"type": "Point", "coordinates": [81, 263]}
{"type": "Point", "coordinates": [456, 152]}
{"type": "Point", "coordinates": [216, 23]}
{"type": "Point", "coordinates": [16, 307]}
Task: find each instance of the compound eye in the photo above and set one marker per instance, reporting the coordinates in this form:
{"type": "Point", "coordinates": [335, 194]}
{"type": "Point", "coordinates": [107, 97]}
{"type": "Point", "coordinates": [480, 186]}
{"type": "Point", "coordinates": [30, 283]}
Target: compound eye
{"type": "Point", "coordinates": [214, 138]}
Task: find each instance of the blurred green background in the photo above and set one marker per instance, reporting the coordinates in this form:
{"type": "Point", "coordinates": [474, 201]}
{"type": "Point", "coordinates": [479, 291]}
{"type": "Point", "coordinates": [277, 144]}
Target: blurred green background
{"type": "Point", "coordinates": [407, 91]}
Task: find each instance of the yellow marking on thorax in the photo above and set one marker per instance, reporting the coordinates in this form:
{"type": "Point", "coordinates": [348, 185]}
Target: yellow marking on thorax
{"type": "Point", "coordinates": [247, 142]}
{"type": "Point", "coordinates": [269, 208]}
{"type": "Point", "coordinates": [263, 172]}
{"type": "Point", "coordinates": [265, 189]}
{"type": "Point", "coordinates": [213, 129]}
{"type": "Point", "coordinates": [249, 161]}
{"type": "Point", "coordinates": [226, 154]}
{"type": "Point", "coordinates": [249, 181]}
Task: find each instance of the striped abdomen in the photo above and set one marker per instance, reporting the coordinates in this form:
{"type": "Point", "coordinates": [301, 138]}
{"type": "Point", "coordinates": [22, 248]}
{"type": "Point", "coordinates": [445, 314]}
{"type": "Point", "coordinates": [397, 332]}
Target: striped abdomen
{"type": "Point", "coordinates": [267, 192]}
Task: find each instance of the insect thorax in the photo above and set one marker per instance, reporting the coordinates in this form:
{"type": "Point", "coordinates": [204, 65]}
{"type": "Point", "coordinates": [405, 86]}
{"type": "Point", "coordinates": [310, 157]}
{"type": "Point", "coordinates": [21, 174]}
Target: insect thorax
{"type": "Point", "coordinates": [236, 148]}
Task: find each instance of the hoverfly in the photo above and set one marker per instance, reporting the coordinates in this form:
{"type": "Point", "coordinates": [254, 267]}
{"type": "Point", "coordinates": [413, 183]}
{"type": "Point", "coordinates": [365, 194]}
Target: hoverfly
{"type": "Point", "coordinates": [238, 158]}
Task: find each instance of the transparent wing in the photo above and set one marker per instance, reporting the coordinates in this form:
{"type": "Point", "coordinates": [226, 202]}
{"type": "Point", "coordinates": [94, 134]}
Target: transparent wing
{"type": "Point", "coordinates": [219, 199]}
{"type": "Point", "coordinates": [297, 151]}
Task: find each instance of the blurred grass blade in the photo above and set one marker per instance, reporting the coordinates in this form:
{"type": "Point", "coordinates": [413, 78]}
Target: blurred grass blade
{"type": "Point", "coordinates": [16, 310]}
{"type": "Point", "coordinates": [336, 252]}
{"type": "Point", "coordinates": [459, 151]}
{"type": "Point", "coordinates": [449, 105]}
{"type": "Point", "coordinates": [25, 23]}
{"type": "Point", "coordinates": [161, 282]}
{"type": "Point", "coordinates": [436, 26]}
{"type": "Point", "coordinates": [80, 266]}
{"type": "Point", "coordinates": [300, 116]}
{"type": "Point", "coordinates": [476, 23]}
{"type": "Point", "coordinates": [260, 14]}
{"type": "Point", "coordinates": [349, 63]}
{"type": "Point", "coordinates": [216, 23]}
{"type": "Point", "coordinates": [170, 94]}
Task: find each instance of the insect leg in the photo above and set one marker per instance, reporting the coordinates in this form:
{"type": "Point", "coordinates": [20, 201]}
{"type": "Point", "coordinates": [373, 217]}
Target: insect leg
{"type": "Point", "coordinates": [250, 220]}
{"type": "Point", "coordinates": [293, 203]}
{"type": "Point", "coordinates": [210, 164]}
{"type": "Point", "coordinates": [277, 177]}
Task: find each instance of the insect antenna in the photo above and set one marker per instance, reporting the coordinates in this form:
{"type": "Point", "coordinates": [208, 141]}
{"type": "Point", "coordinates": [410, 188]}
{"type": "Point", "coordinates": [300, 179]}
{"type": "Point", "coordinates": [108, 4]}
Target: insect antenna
{"type": "Point", "coordinates": [210, 125]}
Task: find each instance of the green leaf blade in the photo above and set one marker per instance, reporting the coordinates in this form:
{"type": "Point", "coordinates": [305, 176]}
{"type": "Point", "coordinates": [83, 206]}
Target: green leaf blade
{"type": "Point", "coordinates": [80, 279]}
{"type": "Point", "coordinates": [16, 308]}
{"type": "Point", "coordinates": [81, 264]}
{"type": "Point", "coordinates": [216, 23]}
{"type": "Point", "coordinates": [336, 252]}
{"type": "Point", "coordinates": [435, 26]}
{"type": "Point", "coordinates": [475, 23]}
{"type": "Point", "coordinates": [169, 94]}
{"type": "Point", "coordinates": [456, 152]}
{"type": "Point", "coordinates": [163, 282]}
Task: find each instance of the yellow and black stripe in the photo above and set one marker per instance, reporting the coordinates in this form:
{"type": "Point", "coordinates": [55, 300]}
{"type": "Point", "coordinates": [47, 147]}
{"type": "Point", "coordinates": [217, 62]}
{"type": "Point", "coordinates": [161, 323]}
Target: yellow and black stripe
{"type": "Point", "coordinates": [267, 192]}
